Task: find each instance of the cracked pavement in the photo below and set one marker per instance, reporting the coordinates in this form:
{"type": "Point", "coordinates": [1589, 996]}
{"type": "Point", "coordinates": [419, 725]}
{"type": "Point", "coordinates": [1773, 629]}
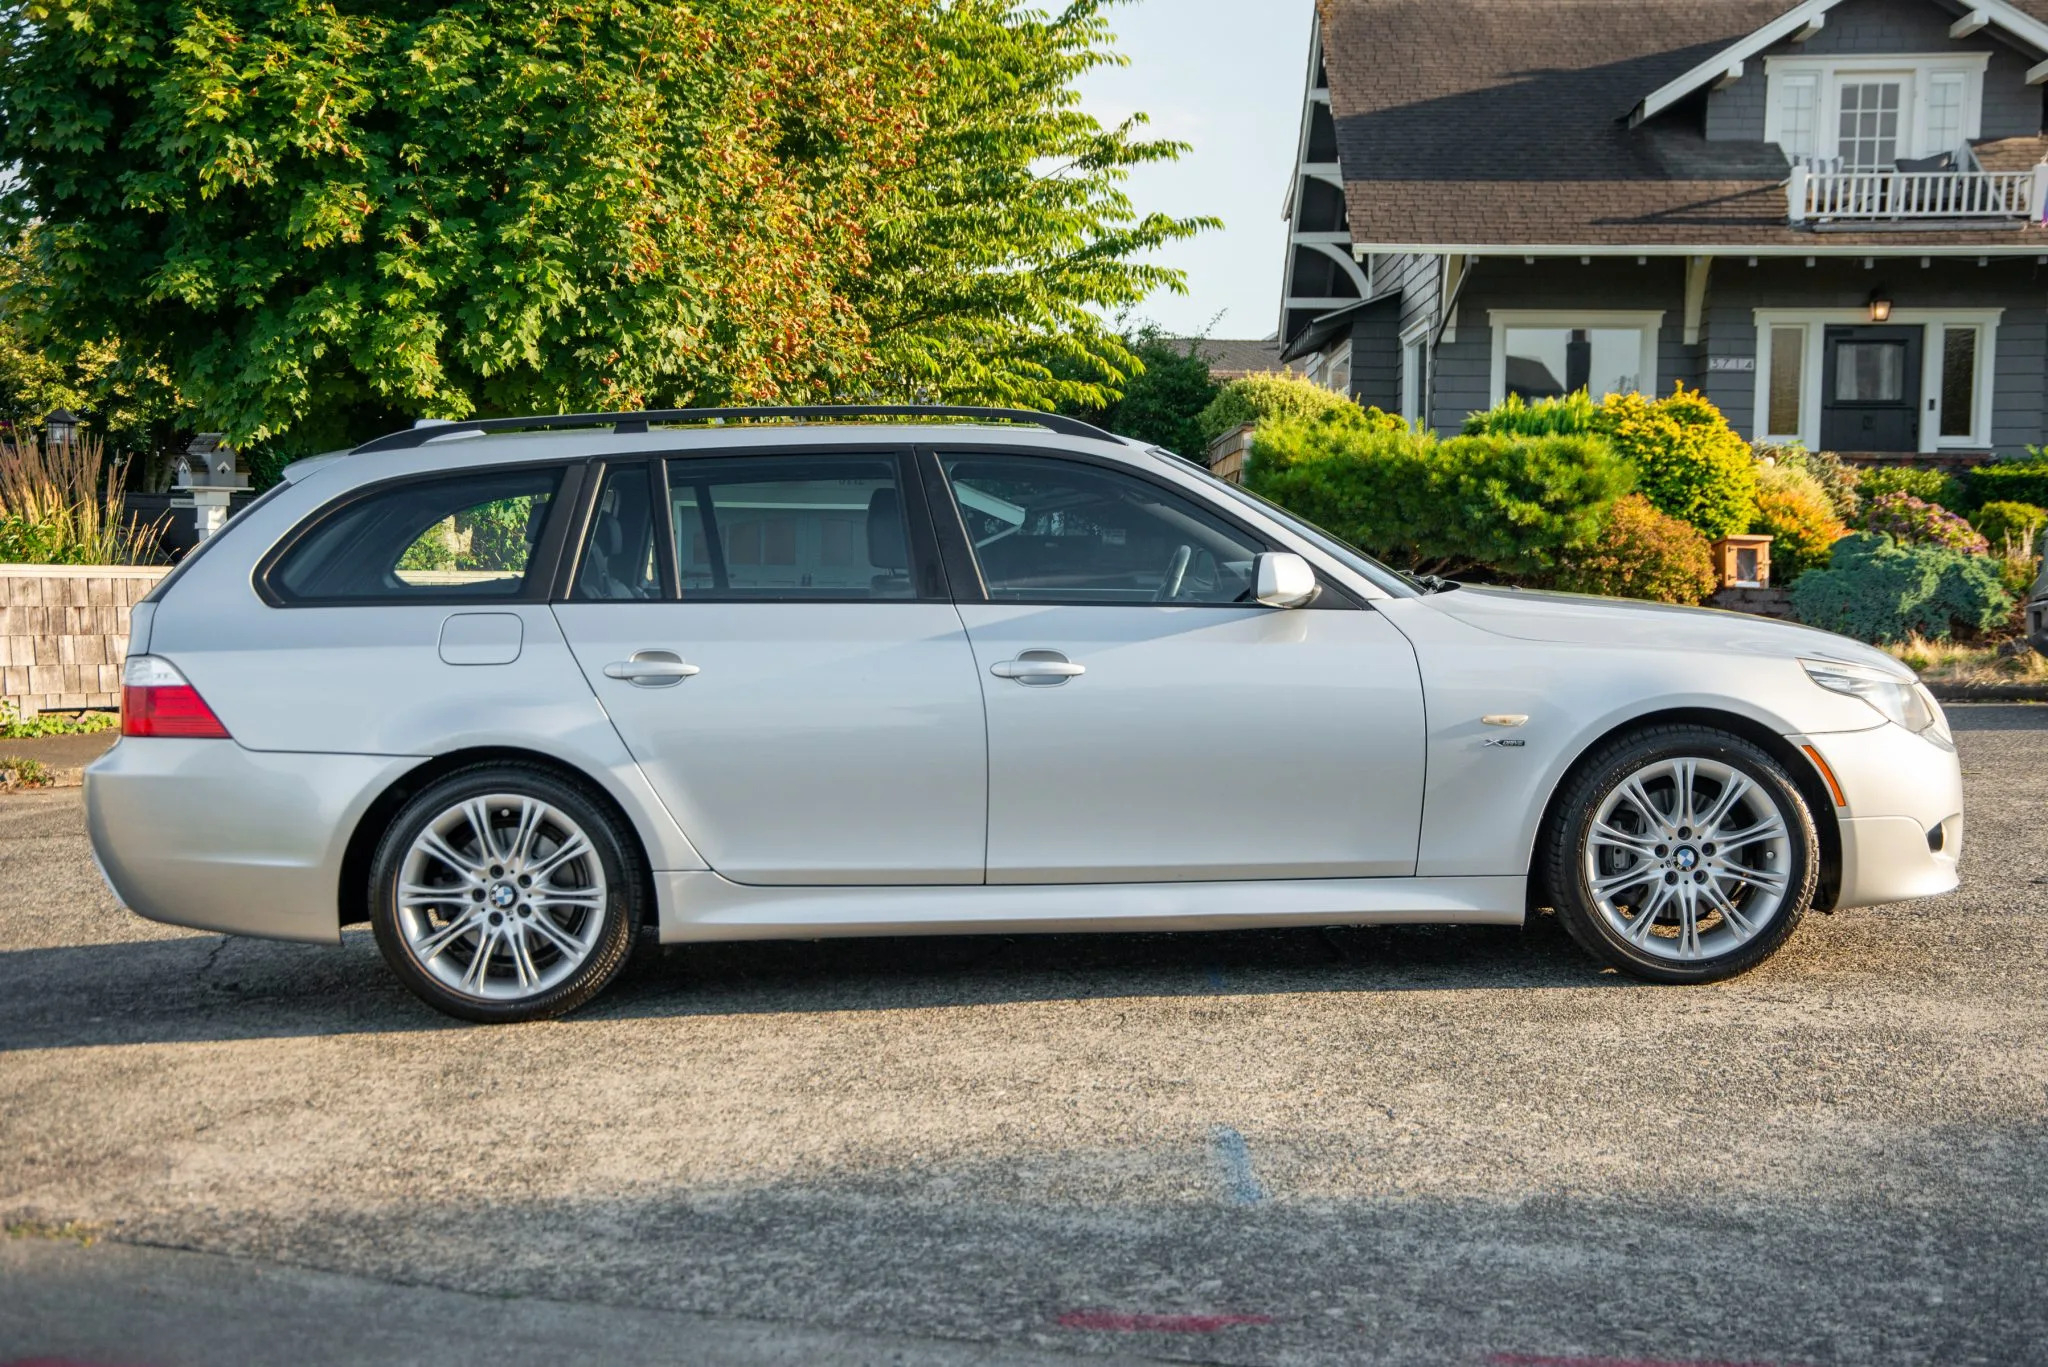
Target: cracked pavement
{"type": "Point", "coordinates": [1442, 1145]}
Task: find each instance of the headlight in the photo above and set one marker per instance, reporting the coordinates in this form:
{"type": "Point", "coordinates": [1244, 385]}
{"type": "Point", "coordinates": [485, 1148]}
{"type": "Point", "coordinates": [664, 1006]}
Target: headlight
{"type": "Point", "coordinates": [1897, 700]}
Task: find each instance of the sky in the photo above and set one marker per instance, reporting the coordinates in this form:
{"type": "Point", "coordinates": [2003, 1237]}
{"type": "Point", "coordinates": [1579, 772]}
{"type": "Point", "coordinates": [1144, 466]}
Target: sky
{"type": "Point", "coordinates": [1226, 76]}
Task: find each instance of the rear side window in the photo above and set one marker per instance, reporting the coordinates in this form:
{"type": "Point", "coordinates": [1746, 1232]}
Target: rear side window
{"type": "Point", "coordinates": [827, 528]}
{"type": "Point", "coordinates": [620, 561]}
{"type": "Point", "coordinates": [465, 537]}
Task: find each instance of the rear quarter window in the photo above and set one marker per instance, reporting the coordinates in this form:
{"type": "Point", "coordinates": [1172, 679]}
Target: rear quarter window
{"type": "Point", "coordinates": [468, 537]}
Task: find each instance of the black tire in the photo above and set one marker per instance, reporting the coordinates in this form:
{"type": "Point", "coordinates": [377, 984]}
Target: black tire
{"type": "Point", "coordinates": [1564, 848]}
{"type": "Point", "coordinates": [605, 946]}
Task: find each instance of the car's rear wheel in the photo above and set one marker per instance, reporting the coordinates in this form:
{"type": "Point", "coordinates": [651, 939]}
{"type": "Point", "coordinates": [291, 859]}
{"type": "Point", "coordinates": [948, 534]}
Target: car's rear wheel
{"type": "Point", "coordinates": [503, 893]}
{"type": "Point", "coordinates": [1681, 854]}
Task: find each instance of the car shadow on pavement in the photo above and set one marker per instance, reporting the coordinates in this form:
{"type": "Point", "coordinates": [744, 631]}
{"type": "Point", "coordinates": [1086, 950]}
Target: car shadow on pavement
{"type": "Point", "coordinates": [203, 988]}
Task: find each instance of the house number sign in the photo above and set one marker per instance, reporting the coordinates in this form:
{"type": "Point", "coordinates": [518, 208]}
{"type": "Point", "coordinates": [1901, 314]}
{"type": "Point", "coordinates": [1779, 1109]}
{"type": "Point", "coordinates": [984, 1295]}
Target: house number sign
{"type": "Point", "coordinates": [1731, 363]}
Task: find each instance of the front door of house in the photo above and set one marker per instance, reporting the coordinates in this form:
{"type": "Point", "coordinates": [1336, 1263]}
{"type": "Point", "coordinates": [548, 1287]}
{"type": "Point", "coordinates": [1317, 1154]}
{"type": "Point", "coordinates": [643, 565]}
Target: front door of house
{"type": "Point", "coordinates": [1870, 395]}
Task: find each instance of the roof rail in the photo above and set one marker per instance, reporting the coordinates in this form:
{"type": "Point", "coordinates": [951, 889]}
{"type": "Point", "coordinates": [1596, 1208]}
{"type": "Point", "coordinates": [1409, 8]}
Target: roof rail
{"type": "Point", "coordinates": [642, 421]}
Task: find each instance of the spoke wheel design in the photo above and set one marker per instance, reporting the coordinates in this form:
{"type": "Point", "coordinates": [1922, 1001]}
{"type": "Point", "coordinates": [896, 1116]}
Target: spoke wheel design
{"type": "Point", "coordinates": [501, 898]}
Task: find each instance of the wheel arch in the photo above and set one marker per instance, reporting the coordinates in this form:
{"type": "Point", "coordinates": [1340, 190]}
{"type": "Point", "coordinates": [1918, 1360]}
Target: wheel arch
{"type": "Point", "coordinates": [353, 889]}
{"type": "Point", "coordinates": [1812, 787]}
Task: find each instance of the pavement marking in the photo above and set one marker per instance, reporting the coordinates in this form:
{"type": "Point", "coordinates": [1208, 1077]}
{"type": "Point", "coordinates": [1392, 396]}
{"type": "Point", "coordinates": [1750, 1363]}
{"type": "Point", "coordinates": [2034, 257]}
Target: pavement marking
{"type": "Point", "coordinates": [1543, 1360]}
{"type": "Point", "coordinates": [1234, 1158]}
{"type": "Point", "coordinates": [1118, 1322]}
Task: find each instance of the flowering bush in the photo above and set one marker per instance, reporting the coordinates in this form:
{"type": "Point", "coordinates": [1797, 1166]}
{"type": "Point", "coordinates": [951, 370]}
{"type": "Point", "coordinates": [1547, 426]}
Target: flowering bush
{"type": "Point", "coordinates": [1914, 522]}
{"type": "Point", "coordinates": [1837, 480]}
{"type": "Point", "coordinates": [1795, 512]}
{"type": "Point", "coordinates": [1641, 553]}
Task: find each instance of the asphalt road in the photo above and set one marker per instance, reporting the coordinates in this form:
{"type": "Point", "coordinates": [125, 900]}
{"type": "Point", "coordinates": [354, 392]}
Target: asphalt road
{"type": "Point", "coordinates": [1426, 1145]}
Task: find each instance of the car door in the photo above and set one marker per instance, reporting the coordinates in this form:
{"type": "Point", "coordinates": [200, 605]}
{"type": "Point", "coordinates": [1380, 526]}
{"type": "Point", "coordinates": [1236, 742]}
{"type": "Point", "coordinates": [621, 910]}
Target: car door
{"type": "Point", "coordinates": [1146, 721]}
{"type": "Point", "coordinates": [771, 634]}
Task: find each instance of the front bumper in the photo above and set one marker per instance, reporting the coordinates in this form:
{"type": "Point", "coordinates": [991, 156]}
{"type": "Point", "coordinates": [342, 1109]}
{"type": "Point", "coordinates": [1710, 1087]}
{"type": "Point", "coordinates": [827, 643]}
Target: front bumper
{"type": "Point", "coordinates": [206, 834]}
{"type": "Point", "coordinates": [1900, 791]}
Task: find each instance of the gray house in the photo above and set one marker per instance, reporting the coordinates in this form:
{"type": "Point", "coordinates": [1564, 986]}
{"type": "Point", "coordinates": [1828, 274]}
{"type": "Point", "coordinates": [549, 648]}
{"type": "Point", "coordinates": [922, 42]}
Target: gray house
{"type": "Point", "coordinates": [1827, 217]}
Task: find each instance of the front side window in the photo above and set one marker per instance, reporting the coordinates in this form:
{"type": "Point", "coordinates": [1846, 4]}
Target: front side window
{"type": "Point", "coordinates": [827, 528]}
{"type": "Point", "coordinates": [1959, 382]}
{"type": "Point", "coordinates": [1787, 396]}
{"type": "Point", "coordinates": [1549, 363]}
{"type": "Point", "coordinates": [462, 537]}
{"type": "Point", "coordinates": [1053, 531]}
{"type": "Point", "coordinates": [1869, 124]}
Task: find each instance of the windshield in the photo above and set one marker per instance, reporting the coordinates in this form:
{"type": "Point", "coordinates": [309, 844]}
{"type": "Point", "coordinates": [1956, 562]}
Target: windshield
{"type": "Point", "coordinates": [1388, 578]}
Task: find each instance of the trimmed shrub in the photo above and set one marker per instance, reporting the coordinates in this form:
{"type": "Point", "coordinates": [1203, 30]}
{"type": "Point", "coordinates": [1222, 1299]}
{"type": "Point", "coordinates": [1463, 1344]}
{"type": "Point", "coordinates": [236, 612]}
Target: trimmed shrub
{"type": "Point", "coordinates": [1911, 522]}
{"type": "Point", "coordinates": [1837, 480]}
{"type": "Point", "coordinates": [1795, 512]}
{"type": "Point", "coordinates": [2010, 481]}
{"type": "Point", "coordinates": [2015, 522]}
{"type": "Point", "coordinates": [1641, 553]}
{"type": "Point", "coordinates": [1688, 460]}
{"type": "Point", "coordinates": [1878, 590]}
{"type": "Point", "coordinates": [1266, 398]}
{"type": "Point", "coordinates": [1929, 486]}
{"type": "Point", "coordinates": [1445, 507]}
{"type": "Point", "coordinates": [1573, 415]}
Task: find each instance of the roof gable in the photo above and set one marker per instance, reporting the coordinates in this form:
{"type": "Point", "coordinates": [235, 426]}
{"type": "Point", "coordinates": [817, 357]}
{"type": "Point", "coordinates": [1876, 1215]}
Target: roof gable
{"type": "Point", "coordinates": [1807, 19]}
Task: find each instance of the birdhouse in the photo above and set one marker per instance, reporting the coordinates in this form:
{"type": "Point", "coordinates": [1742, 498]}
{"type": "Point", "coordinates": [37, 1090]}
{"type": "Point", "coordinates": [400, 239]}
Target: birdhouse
{"type": "Point", "coordinates": [1743, 562]}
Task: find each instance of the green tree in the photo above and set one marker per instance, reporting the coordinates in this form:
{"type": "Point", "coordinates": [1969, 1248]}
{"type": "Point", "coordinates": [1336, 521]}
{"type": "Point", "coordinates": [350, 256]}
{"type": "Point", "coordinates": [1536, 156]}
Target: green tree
{"type": "Point", "coordinates": [1162, 404]}
{"type": "Point", "coordinates": [325, 219]}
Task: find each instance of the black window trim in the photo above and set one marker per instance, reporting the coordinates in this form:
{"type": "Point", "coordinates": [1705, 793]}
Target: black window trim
{"type": "Point", "coordinates": [541, 575]}
{"type": "Point", "coordinates": [929, 571]}
{"type": "Point", "coordinates": [965, 569]}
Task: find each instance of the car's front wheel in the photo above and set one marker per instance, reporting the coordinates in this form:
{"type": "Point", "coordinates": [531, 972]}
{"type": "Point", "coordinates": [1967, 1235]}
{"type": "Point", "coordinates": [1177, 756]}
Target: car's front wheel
{"type": "Point", "coordinates": [503, 893]}
{"type": "Point", "coordinates": [1681, 854]}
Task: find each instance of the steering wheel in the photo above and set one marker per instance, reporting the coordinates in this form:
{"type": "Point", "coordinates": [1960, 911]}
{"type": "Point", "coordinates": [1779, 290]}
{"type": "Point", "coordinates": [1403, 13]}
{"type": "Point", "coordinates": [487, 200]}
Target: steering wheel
{"type": "Point", "coordinates": [1176, 575]}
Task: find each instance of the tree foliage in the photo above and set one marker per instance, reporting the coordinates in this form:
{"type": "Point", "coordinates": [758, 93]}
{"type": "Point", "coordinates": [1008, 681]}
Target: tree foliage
{"type": "Point", "coordinates": [324, 218]}
{"type": "Point", "coordinates": [1162, 405]}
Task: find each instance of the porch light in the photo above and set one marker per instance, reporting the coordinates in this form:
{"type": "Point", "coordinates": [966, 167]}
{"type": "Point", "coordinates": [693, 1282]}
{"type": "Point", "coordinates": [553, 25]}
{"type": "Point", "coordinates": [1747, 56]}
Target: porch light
{"type": "Point", "coordinates": [61, 427]}
{"type": "Point", "coordinates": [1880, 306]}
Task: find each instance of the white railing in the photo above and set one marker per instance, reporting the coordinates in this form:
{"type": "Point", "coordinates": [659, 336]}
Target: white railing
{"type": "Point", "coordinates": [1894, 196]}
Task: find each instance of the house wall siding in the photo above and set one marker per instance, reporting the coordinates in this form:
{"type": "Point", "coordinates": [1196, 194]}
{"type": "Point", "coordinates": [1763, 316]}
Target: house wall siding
{"type": "Point", "coordinates": [1464, 368]}
{"type": "Point", "coordinates": [1376, 358]}
{"type": "Point", "coordinates": [2012, 108]}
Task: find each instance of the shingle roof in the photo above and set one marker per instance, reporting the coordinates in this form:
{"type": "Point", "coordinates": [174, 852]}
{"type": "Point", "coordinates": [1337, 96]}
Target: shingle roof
{"type": "Point", "coordinates": [1504, 123]}
{"type": "Point", "coordinates": [1233, 360]}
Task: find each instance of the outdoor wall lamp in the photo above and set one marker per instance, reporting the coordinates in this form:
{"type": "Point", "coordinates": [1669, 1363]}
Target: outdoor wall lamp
{"type": "Point", "coordinates": [1880, 307]}
{"type": "Point", "coordinates": [62, 427]}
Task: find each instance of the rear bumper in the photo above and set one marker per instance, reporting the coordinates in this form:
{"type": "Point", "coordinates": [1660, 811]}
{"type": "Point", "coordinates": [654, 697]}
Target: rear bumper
{"type": "Point", "coordinates": [206, 834]}
{"type": "Point", "coordinates": [1899, 789]}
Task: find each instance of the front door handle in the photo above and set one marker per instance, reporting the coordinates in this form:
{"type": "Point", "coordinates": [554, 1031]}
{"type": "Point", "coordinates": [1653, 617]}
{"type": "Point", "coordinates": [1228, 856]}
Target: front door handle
{"type": "Point", "coordinates": [1039, 668]}
{"type": "Point", "coordinates": [652, 669]}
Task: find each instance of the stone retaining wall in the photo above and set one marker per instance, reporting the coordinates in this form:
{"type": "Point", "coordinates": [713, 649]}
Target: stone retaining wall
{"type": "Point", "coordinates": [64, 633]}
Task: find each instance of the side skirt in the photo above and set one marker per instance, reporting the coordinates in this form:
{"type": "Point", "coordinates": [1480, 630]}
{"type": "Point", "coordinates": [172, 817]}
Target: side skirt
{"type": "Point", "coordinates": [703, 906]}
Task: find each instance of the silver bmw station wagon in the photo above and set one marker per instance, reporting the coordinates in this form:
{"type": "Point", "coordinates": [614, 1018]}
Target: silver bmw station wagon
{"type": "Point", "coordinates": [512, 690]}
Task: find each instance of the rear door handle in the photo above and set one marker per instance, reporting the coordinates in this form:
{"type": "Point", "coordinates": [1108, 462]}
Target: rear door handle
{"type": "Point", "coordinates": [1039, 668]}
{"type": "Point", "coordinates": [652, 669]}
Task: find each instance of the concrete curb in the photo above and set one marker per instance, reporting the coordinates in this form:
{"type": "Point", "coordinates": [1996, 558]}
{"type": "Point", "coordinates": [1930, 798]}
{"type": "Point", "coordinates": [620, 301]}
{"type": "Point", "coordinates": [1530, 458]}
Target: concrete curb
{"type": "Point", "coordinates": [1989, 692]}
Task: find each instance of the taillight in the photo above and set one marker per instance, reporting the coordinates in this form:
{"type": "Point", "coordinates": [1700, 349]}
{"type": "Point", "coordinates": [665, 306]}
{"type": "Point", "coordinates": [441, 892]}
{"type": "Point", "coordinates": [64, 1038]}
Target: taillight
{"type": "Point", "coordinates": [156, 701]}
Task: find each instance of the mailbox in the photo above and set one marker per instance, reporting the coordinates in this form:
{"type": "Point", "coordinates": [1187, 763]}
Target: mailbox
{"type": "Point", "coordinates": [1743, 562]}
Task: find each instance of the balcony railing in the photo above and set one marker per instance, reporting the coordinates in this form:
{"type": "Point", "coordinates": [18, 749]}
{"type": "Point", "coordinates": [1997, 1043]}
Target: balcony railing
{"type": "Point", "coordinates": [1929, 197]}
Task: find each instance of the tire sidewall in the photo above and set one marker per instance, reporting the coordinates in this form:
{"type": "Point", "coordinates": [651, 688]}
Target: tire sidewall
{"type": "Point", "coordinates": [1581, 913]}
{"type": "Point", "coordinates": [622, 882]}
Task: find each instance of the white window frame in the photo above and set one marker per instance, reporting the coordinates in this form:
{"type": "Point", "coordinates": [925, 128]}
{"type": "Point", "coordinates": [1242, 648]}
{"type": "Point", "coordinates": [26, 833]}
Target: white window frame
{"type": "Point", "coordinates": [1648, 323]}
{"type": "Point", "coordinates": [1415, 373]}
{"type": "Point", "coordinates": [1917, 71]}
{"type": "Point", "coordinates": [1932, 322]}
{"type": "Point", "coordinates": [1340, 355]}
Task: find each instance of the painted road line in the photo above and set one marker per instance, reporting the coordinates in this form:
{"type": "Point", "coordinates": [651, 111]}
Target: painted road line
{"type": "Point", "coordinates": [1542, 1360]}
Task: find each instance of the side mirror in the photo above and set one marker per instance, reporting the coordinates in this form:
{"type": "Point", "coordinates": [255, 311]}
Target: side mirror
{"type": "Point", "coordinates": [1283, 580]}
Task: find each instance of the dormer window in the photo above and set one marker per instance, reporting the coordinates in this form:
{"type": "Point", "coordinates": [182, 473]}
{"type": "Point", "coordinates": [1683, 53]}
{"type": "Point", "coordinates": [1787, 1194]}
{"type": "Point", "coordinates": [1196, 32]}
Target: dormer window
{"type": "Point", "coordinates": [1873, 112]}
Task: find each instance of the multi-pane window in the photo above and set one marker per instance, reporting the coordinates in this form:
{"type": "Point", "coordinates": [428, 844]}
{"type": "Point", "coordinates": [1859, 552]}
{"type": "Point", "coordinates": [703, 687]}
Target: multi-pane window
{"type": "Point", "coordinates": [1945, 98]}
{"type": "Point", "coordinates": [1869, 126]}
{"type": "Point", "coordinates": [1798, 116]}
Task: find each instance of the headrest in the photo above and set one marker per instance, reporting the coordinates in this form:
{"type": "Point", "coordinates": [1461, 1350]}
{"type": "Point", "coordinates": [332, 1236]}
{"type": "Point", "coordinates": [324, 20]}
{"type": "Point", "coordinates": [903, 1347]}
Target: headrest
{"type": "Point", "coordinates": [887, 549]}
